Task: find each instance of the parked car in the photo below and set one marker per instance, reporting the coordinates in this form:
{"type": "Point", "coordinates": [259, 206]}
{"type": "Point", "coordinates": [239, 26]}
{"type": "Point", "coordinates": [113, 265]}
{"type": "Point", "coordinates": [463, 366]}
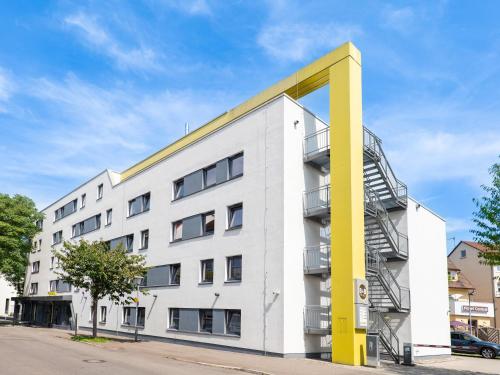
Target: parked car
{"type": "Point", "coordinates": [466, 343]}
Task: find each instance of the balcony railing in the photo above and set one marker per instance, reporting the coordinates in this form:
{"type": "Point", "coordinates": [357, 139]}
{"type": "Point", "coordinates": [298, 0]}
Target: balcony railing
{"type": "Point", "coordinates": [317, 319]}
{"type": "Point", "coordinates": [316, 143]}
{"type": "Point", "coordinates": [317, 259]}
{"type": "Point", "coordinates": [317, 201]}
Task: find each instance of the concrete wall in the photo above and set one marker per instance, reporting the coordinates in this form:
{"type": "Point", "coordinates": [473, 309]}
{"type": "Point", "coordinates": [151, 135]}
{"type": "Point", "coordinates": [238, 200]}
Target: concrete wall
{"type": "Point", "coordinates": [7, 291]}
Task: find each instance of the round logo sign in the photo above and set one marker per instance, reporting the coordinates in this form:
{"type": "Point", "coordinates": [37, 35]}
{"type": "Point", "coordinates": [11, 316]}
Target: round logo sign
{"type": "Point", "coordinates": [363, 293]}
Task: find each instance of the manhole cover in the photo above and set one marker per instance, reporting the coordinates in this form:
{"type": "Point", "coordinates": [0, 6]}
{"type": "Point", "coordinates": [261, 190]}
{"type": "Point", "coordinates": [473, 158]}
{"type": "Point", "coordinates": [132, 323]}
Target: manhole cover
{"type": "Point", "coordinates": [94, 360]}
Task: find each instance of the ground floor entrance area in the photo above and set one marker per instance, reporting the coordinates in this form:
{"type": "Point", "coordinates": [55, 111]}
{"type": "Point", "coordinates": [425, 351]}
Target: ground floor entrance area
{"type": "Point", "coordinates": [52, 311]}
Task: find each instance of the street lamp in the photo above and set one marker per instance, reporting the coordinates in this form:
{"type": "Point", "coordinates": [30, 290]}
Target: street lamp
{"type": "Point", "coordinates": [138, 281]}
{"type": "Point", "coordinates": [471, 292]}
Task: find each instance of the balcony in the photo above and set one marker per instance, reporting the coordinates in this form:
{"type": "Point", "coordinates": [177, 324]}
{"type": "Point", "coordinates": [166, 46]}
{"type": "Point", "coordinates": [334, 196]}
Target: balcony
{"type": "Point", "coordinates": [317, 320]}
{"type": "Point", "coordinates": [317, 148]}
{"type": "Point", "coordinates": [317, 203]}
{"type": "Point", "coordinates": [317, 260]}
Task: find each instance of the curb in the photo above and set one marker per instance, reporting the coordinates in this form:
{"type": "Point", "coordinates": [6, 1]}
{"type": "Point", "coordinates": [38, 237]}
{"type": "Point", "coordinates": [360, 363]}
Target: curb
{"type": "Point", "coordinates": [234, 368]}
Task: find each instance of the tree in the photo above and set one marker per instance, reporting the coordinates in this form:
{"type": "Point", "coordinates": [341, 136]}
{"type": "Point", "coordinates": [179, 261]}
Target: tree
{"type": "Point", "coordinates": [18, 217]}
{"type": "Point", "coordinates": [101, 271]}
{"type": "Point", "coordinates": [487, 219]}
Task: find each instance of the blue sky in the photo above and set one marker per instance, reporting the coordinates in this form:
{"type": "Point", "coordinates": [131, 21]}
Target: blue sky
{"type": "Point", "coordinates": [86, 86]}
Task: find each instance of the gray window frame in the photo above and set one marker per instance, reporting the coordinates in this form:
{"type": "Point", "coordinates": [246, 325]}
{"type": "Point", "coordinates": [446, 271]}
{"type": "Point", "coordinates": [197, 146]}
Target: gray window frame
{"type": "Point", "coordinates": [101, 308]}
{"type": "Point", "coordinates": [81, 226]}
{"type": "Point", "coordinates": [231, 161]}
{"type": "Point", "coordinates": [202, 318]}
{"type": "Point", "coordinates": [145, 204]}
{"type": "Point", "coordinates": [203, 279]}
{"type": "Point", "coordinates": [109, 217]}
{"type": "Point", "coordinates": [228, 323]}
{"type": "Point", "coordinates": [229, 267]}
{"type": "Point", "coordinates": [179, 188]}
{"type": "Point", "coordinates": [34, 290]}
{"type": "Point", "coordinates": [144, 239]}
{"type": "Point", "coordinates": [172, 318]}
{"type": "Point", "coordinates": [100, 191]}
{"type": "Point", "coordinates": [230, 215]}
{"type": "Point", "coordinates": [172, 276]}
{"type": "Point", "coordinates": [212, 169]}
{"type": "Point", "coordinates": [37, 263]}
{"type": "Point", "coordinates": [57, 237]}
{"type": "Point", "coordinates": [83, 200]}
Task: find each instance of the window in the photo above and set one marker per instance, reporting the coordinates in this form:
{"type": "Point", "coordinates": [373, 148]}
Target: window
{"type": "Point", "coordinates": [235, 216]}
{"type": "Point", "coordinates": [206, 320]}
{"type": "Point", "coordinates": [236, 166]}
{"type": "Point", "coordinates": [100, 190]}
{"type": "Point", "coordinates": [35, 245]}
{"type": "Point", "coordinates": [52, 260]}
{"type": "Point", "coordinates": [233, 322]}
{"type": "Point", "coordinates": [208, 222]}
{"type": "Point", "coordinates": [209, 176]}
{"type": "Point", "coordinates": [463, 253]}
{"type": "Point", "coordinates": [59, 286]}
{"type": "Point", "coordinates": [35, 267]}
{"type": "Point", "coordinates": [144, 239]}
{"type": "Point", "coordinates": [7, 303]}
{"type": "Point", "coordinates": [104, 311]}
{"type": "Point", "coordinates": [83, 201]}
{"type": "Point", "coordinates": [234, 268]}
{"type": "Point", "coordinates": [40, 244]}
{"type": "Point", "coordinates": [86, 226]}
{"type": "Point", "coordinates": [39, 225]}
{"type": "Point", "coordinates": [175, 274]}
{"type": "Point", "coordinates": [65, 210]}
{"type": "Point", "coordinates": [179, 188]}
{"type": "Point", "coordinates": [129, 243]}
{"type": "Point", "coordinates": [174, 319]}
{"type": "Point", "coordinates": [34, 288]}
{"type": "Point", "coordinates": [52, 285]}
{"type": "Point", "coordinates": [109, 216]}
{"type": "Point", "coordinates": [207, 271]}
{"type": "Point", "coordinates": [177, 230]}
{"type": "Point", "coordinates": [139, 204]}
{"type": "Point", "coordinates": [129, 316]}
{"type": "Point", "coordinates": [57, 237]}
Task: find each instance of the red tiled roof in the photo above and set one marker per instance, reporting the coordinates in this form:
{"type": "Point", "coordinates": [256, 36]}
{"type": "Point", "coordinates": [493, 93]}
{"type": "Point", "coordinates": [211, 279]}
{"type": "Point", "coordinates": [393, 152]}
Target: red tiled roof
{"type": "Point", "coordinates": [476, 245]}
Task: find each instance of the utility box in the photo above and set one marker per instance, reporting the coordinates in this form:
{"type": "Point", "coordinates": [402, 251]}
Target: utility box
{"type": "Point", "coordinates": [372, 351]}
{"type": "Point", "coordinates": [408, 354]}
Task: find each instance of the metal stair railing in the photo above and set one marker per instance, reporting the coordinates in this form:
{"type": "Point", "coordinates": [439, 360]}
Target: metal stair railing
{"type": "Point", "coordinates": [376, 265]}
{"type": "Point", "coordinates": [317, 318]}
{"type": "Point", "coordinates": [316, 143]}
{"type": "Point", "coordinates": [316, 199]}
{"type": "Point", "coordinates": [373, 146]}
{"type": "Point", "coordinates": [378, 325]}
{"type": "Point", "coordinates": [374, 206]}
{"type": "Point", "coordinates": [317, 258]}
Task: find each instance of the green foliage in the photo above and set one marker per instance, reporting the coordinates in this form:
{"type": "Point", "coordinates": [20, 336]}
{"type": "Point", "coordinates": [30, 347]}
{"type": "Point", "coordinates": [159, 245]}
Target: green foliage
{"type": "Point", "coordinates": [18, 216]}
{"type": "Point", "coordinates": [487, 219]}
{"type": "Point", "coordinates": [97, 340]}
{"type": "Point", "coordinates": [101, 271]}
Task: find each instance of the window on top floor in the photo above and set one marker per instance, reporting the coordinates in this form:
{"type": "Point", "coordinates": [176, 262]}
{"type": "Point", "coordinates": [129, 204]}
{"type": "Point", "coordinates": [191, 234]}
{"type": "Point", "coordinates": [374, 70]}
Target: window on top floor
{"type": "Point", "coordinates": [236, 166]}
{"type": "Point", "coordinates": [83, 200]}
{"type": "Point", "coordinates": [463, 253]}
{"type": "Point", "coordinates": [139, 204]}
{"type": "Point", "coordinates": [100, 191]}
{"type": "Point", "coordinates": [179, 188]}
{"type": "Point", "coordinates": [209, 176]}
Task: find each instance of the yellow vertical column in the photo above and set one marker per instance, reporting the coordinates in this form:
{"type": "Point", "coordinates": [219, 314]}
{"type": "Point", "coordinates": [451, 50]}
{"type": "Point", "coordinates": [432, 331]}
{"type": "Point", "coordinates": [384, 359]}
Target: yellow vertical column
{"type": "Point", "coordinates": [347, 207]}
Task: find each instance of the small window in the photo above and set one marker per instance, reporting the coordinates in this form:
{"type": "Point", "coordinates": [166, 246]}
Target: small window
{"type": "Point", "coordinates": [175, 274]}
{"type": "Point", "coordinates": [109, 216]}
{"type": "Point", "coordinates": [233, 322]}
{"type": "Point", "coordinates": [179, 188]}
{"type": "Point", "coordinates": [39, 224]}
{"type": "Point", "coordinates": [53, 285]}
{"type": "Point", "coordinates": [52, 260]}
{"type": "Point", "coordinates": [208, 222]}
{"type": "Point", "coordinates": [234, 268]}
{"type": "Point", "coordinates": [207, 271]}
{"type": "Point", "coordinates": [236, 166]}
{"type": "Point", "coordinates": [235, 216]}
{"type": "Point", "coordinates": [57, 237]}
{"type": "Point", "coordinates": [35, 267]}
{"type": "Point", "coordinates": [40, 244]}
{"type": "Point", "coordinates": [209, 176]}
{"type": "Point", "coordinates": [177, 230]}
{"type": "Point", "coordinates": [174, 319]}
{"type": "Point", "coordinates": [139, 204]}
{"type": "Point", "coordinates": [144, 239]}
{"type": "Point", "coordinates": [463, 253]}
{"type": "Point", "coordinates": [206, 317]}
{"type": "Point", "coordinates": [129, 316]}
{"type": "Point", "coordinates": [100, 190]}
{"type": "Point", "coordinates": [103, 315]}
{"type": "Point", "coordinates": [129, 243]}
{"type": "Point", "coordinates": [83, 200]}
{"type": "Point", "coordinates": [34, 288]}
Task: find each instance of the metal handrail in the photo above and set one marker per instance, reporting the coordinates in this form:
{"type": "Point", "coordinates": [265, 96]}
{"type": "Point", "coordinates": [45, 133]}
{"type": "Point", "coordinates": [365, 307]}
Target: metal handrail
{"type": "Point", "coordinates": [317, 198]}
{"type": "Point", "coordinates": [317, 258]}
{"type": "Point", "coordinates": [378, 325]}
{"type": "Point", "coordinates": [316, 142]}
{"type": "Point", "coordinates": [317, 317]}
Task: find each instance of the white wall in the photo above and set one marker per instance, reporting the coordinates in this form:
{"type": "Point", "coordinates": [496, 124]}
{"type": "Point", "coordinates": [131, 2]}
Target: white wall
{"type": "Point", "coordinates": [7, 291]}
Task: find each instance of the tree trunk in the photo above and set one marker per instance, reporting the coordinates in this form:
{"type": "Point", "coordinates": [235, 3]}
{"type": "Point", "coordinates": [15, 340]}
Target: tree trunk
{"type": "Point", "coordinates": [94, 316]}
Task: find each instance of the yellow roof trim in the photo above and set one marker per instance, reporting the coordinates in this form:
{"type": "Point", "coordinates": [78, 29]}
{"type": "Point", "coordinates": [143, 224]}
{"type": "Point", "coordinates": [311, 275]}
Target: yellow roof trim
{"type": "Point", "coordinates": [297, 85]}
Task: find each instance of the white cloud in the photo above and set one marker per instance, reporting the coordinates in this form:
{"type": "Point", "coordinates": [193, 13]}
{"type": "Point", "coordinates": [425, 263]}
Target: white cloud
{"type": "Point", "coordinates": [297, 41]}
{"type": "Point", "coordinates": [96, 36]}
{"type": "Point", "coordinates": [400, 19]}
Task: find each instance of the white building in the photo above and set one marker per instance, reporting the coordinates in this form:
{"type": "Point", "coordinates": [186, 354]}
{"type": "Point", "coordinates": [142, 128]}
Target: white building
{"type": "Point", "coordinates": [236, 227]}
{"type": "Point", "coordinates": [7, 292]}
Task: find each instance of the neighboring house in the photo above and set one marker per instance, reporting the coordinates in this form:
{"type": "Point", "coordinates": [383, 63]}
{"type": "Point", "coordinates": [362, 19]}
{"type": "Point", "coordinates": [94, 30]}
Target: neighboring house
{"type": "Point", "coordinates": [7, 292]}
{"type": "Point", "coordinates": [485, 279]}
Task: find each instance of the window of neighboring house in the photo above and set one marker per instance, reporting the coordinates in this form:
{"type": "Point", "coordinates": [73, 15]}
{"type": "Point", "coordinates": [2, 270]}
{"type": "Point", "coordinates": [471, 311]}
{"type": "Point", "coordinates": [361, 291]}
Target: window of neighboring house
{"type": "Point", "coordinates": [175, 274]}
{"type": "Point", "coordinates": [34, 288]}
{"type": "Point", "coordinates": [235, 216]}
{"type": "Point", "coordinates": [179, 188]}
{"type": "Point", "coordinates": [100, 191]}
{"type": "Point", "coordinates": [174, 319]}
{"type": "Point", "coordinates": [208, 222]}
{"type": "Point", "coordinates": [83, 200]}
{"type": "Point", "coordinates": [206, 317]}
{"type": "Point", "coordinates": [35, 267]}
{"type": "Point", "coordinates": [234, 268]}
{"type": "Point", "coordinates": [209, 176]}
{"type": "Point", "coordinates": [236, 166]}
{"type": "Point", "coordinates": [57, 237]}
{"type": "Point", "coordinates": [109, 216]}
{"type": "Point", "coordinates": [103, 315]}
{"type": "Point", "coordinates": [207, 271]}
{"type": "Point", "coordinates": [463, 253]}
{"type": "Point", "coordinates": [40, 244]}
{"type": "Point", "coordinates": [144, 239]}
{"type": "Point", "coordinates": [139, 204]}
{"type": "Point", "coordinates": [129, 316]}
{"type": "Point", "coordinates": [177, 230]}
{"type": "Point", "coordinates": [233, 322]}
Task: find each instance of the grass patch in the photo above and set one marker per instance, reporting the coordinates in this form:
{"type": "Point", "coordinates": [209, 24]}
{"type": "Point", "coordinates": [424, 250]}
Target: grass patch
{"type": "Point", "coordinates": [95, 340]}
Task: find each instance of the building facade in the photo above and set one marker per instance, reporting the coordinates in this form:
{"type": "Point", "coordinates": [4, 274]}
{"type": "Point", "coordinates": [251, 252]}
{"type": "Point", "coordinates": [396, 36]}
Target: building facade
{"type": "Point", "coordinates": [7, 293]}
{"type": "Point", "coordinates": [235, 222]}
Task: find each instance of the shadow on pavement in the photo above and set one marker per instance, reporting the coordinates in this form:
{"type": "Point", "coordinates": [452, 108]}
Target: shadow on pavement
{"type": "Point", "coordinates": [421, 370]}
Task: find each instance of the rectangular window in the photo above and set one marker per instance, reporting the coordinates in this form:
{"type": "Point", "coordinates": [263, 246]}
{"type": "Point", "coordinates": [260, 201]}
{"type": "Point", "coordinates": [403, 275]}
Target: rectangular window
{"type": "Point", "coordinates": [86, 226]}
{"type": "Point", "coordinates": [83, 200]}
{"type": "Point", "coordinates": [463, 253]}
{"type": "Point", "coordinates": [35, 245]}
{"type": "Point", "coordinates": [175, 274]}
{"type": "Point", "coordinates": [34, 288]}
{"type": "Point", "coordinates": [144, 239]}
{"type": "Point", "coordinates": [208, 222]}
{"type": "Point", "coordinates": [53, 285]}
{"type": "Point", "coordinates": [65, 210]}
{"type": "Point", "coordinates": [109, 216]}
{"type": "Point", "coordinates": [57, 237]}
{"type": "Point", "coordinates": [62, 286]}
{"type": "Point", "coordinates": [233, 322]}
{"type": "Point", "coordinates": [179, 188]}
{"type": "Point", "coordinates": [206, 317]}
{"type": "Point", "coordinates": [39, 224]}
{"type": "Point", "coordinates": [235, 216]}
{"type": "Point", "coordinates": [209, 176]}
{"type": "Point", "coordinates": [100, 191]}
{"type": "Point", "coordinates": [207, 271]}
{"type": "Point", "coordinates": [7, 303]}
{"type": "Point", "coordinates": [139, 204]}
{"type": "Point", "coordinates": [40, 244]}
{"type": "Point", "coordinates": [234, 268]}
{"type": "Point", "coordinates": [130, 243]}
{"type": "Point", "coordinates": [174, 319]}
{"type": "Point", "coordinates": [177, 230]}
{"type": "Point", "coordinates": [129, 316]}
{"type": "Point", "coordinates": [35, 267]}
{"type": "Point", "coordinates": [103, 316]}
{"type": "Point", "coordinates": [236, 166]}
{"type": "Point", "coordinates": [52, 260]}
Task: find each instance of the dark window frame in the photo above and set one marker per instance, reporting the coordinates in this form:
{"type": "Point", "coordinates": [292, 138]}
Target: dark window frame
{"type": "Point", "coordinates": [231, 213]}
{"type": "Point", "coordinates": [145, 200]}
{"type": "Point", "coordinates": [228, 314]}
{"type": "Point", "coordinates": [174, 279]}
{"type": "Point", "coordinates": [37, 262]}
{"type": "Point", "coordinates": [206, 319]}
{"type": "Point", "coordinates": [144, 239]}
{"type": "Point", "coordinates": [229, 269]}
{"type": "Point", "coordinates": [174, 318]}
{"type": "Point", "coordinates": [203, 269]}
